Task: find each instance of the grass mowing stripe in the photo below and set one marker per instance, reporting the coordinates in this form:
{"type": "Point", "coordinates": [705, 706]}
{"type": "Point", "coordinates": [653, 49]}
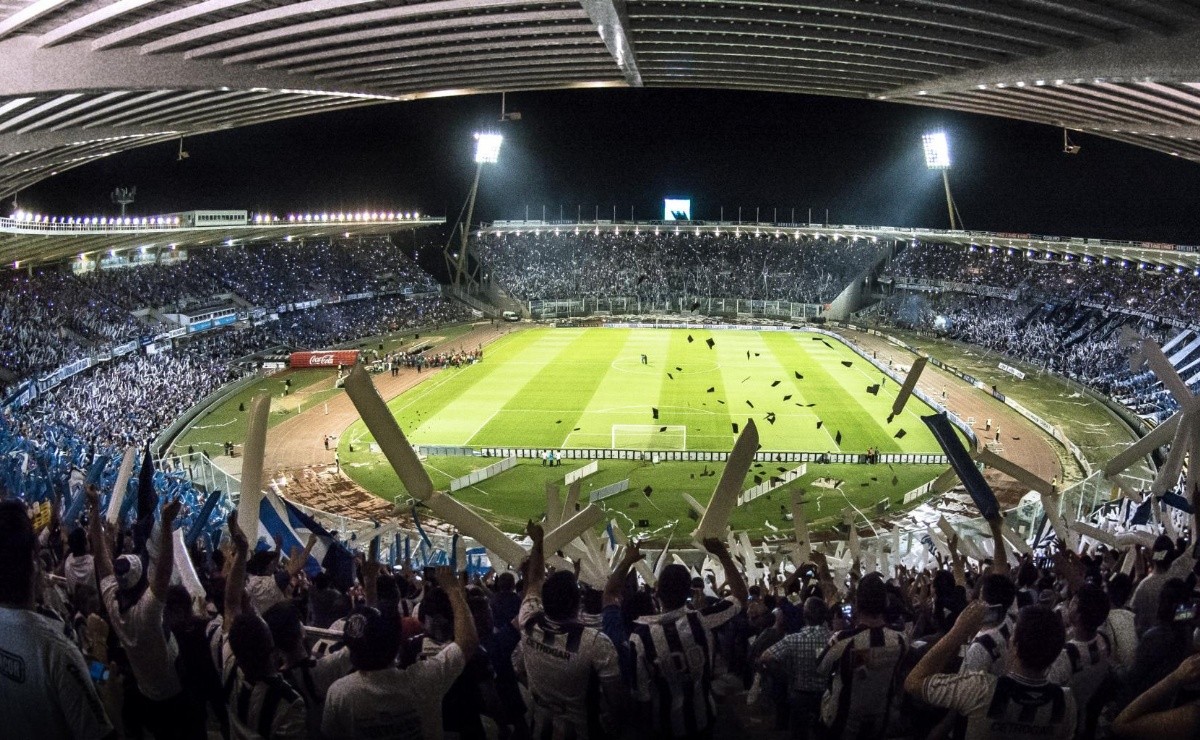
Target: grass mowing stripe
{"type": "Point", "coordinates": [548, 406]}
{"type": "Point", "coordinates": [687, 393]}
{"type": "Point", "coordinates": [492, 384]}
{"type": "Point", "coordinates": [628, 391]}
{"type": "Point", "coordinates": [837, 404]}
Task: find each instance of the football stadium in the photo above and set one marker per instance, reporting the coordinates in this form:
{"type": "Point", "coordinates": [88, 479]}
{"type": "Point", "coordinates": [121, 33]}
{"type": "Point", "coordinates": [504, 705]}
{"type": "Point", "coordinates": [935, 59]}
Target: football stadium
{"type": "Point", "coordinates": [333, 404]}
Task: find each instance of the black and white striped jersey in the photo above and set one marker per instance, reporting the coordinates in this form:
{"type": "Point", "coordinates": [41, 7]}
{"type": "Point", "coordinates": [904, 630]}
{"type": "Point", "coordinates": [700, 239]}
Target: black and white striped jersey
{"type": "Point", "coordinates": [1009, 707]}
{"type": "Point", "coordinates": [673, 664]}
{"type": "Point", "coordinates": [863, 663]}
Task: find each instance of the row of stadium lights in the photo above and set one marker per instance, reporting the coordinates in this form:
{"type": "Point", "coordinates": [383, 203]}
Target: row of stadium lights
{"type": "Point", "coordinates": [39, 218]}
{"type": "Point", "coordinates": [1088, 259]}
{"type": "Point", "coordinates": [699, 232]}
{"type": "Point", "coordinates": [336, 217]}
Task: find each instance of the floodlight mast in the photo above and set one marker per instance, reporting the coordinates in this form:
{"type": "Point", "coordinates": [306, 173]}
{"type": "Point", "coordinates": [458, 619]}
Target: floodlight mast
{"type": "Point", "coordinates": [487, 151]}
{"type": "Point", "coordinates": [937, 157]}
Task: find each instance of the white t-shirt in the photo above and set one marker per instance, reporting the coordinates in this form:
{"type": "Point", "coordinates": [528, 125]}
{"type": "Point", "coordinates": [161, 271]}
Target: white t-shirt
{"type": "Point", "coordinates": [561, 661]}
{"type": "Point", "coordinates": [264, 592]}
{"type": "Point", "coordinates": [151, 649]}
{"type": "Point", "coordinates": [393, 704]}
{"type": "Point", "coordinates": [45, 689]}
{"type": "Point", "coordinates": [79, 571]}
{"type": "Point", "coordinates": [1121, 632]}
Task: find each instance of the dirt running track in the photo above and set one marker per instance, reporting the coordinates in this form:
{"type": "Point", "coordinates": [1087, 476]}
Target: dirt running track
{"type": "Point", "coordinates": [296, 446]}
{"type": "Point", "coordinates": [1020, 441]}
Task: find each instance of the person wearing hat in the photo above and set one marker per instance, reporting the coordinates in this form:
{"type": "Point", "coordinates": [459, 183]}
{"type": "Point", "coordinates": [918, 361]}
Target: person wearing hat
{"type": "Point", "coordinates": [135, 601]}
{"type": "Point", "coordinates": [379, 700]}
{"type": "Point", "coordinates": [44, 685]}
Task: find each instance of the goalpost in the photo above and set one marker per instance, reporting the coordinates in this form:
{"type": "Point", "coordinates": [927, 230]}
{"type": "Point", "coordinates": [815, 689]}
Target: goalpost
{"type": "Point", "coordinates": [649, 437]}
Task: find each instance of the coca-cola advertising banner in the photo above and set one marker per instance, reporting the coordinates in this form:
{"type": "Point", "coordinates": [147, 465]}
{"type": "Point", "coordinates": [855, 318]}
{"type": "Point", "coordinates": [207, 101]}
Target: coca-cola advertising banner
{"type": "Point", "coordinates": [330, 358]}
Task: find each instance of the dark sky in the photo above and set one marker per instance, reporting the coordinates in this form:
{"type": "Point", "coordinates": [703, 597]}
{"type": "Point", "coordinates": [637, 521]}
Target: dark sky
{"type": "Point", "coordinates": [862, 160]}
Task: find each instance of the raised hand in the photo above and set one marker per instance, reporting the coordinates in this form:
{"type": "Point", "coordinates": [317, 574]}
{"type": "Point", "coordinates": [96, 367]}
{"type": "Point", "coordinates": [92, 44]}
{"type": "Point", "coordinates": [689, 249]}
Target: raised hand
{"type": "Point", "coordinates": [535, 532]}
{"type": "Point", "coordinates": [171, 511]}
{"type": "Point", "coordinates": [236, 535]}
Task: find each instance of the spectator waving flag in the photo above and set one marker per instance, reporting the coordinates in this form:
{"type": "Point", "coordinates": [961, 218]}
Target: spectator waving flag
{"type": "Point", "coordinates": [281, 519]}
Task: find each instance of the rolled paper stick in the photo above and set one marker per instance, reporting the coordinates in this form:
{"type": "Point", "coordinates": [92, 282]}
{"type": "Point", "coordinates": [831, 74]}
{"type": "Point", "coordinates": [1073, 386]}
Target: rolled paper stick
{"type": "Point", "coordinates": [201, 521]}
{"type": "Point", "coordinates": [641, 566]}
{"type": "Point", "coordinates": [589, 517]}
{"type": "Point", "coordinates": [184, 570]}
{"type": "Point", "coordinates": [454, 513]}
{"type": "Point", "coordinates": [800, 525]}
{"type": "Point", "coordinates": [973, 480]}
{"type": "Point", "coordinates": [1128, 561]}
{"type": "Point", "coordinates": [1155, 438]}
{"type": "Point", "coordinates": [724, 498]}
{"type": "Point", "coordinates": [252, 467]}
{"type": "Point", "coordinates": [1145, 539]}
{"type": "Point", "coordinates": [753, 572]}
{"type": "Point", "coordinates": [910, 382]}
{"type": "Point", "coordinates": [1128, 488]}
{"type": "Point", "coordinates": [1192, 486]}
{"type": "Point", "coordinates": [387, 433]}
{"type": "Point", "coordinates": [1017, 542]}
{"type": "Point", "coordinates": [572, 501]}
{"type": "Point", "coordinates": [945, 481]}
{"type": "Point", "coordinates": [1105, 538]}
{"type": "Point", "coordinates": [1015, 471]}
{"type": "Point", "coordinates": [694, 505]}
{"type": "Point", "coordinates": [1168, 474]}
{"type": "Point", "coordinates": [454, 553]}
{"type": "Point", "coordinates": [1166, 373]}
{"type": "Point", "coordinates": [661, 561]}
{"type": "Point", "coordinates": [1051, 503]}
{"type": "Point", "coordinates": [855, 546]}
{"type": "Point", "coordinates": [554, 507]}
{"type": "Point", "coordinates": [121, 487]}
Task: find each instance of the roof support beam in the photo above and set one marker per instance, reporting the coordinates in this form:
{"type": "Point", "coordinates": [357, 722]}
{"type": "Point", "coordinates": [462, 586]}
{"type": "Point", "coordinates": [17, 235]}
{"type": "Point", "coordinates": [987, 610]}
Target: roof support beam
{"type": "Point", "coordinates": [1145, 59]}
{"type": "Point", "coordinates": [612, 23]}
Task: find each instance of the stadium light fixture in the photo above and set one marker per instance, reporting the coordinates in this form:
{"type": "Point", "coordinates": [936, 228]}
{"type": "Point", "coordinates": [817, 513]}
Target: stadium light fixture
{"type": "Point", "coordinates": [487, 147]}
{"type": "Point", "coordinates": [937, 157]}
{"type": "Point", "coordinates": [937, 150]}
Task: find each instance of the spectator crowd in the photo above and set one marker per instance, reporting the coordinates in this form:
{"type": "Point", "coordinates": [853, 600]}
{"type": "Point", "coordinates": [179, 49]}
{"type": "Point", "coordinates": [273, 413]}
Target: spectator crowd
{"type": "Point", "coordinates": [1045, 322]}
{"type": "Point", "coordinates": [102, 637]}
{"type": "Point", "coordinates": [670, 265]}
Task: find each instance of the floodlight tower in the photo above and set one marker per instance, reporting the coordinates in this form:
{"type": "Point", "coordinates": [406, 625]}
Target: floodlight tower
{"type": "Point", "coordinates": [937, 157]}
{"type": "Point", "coordinates": [123, 197]}
{"type": "Point", "coordinates": [487, 151]}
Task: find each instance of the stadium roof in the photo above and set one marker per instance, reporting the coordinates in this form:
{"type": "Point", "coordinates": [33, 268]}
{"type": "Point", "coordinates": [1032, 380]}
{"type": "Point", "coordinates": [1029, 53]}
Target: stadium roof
{"type": "Point", "coordinates": [83, 79]}
{"type": "Point", "coordinates": [38, 239]}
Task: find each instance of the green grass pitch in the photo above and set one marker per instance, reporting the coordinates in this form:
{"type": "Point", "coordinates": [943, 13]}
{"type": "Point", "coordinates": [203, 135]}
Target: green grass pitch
{"type": "Point", "coordinates": [569, 387]}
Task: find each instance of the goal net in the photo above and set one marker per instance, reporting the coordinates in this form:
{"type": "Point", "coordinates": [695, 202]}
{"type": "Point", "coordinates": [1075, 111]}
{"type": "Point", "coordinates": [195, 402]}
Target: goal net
{"type": "Point", "coordinates": [648, 437]}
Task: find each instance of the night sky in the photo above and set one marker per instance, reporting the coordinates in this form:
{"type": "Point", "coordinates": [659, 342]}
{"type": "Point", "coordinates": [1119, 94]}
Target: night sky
{"type": "Point", "coordinates": [631, 148]}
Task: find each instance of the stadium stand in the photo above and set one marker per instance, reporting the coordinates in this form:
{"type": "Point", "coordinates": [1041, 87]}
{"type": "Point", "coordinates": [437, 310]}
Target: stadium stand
{"type": "Point", "coordinates": [1066, 316]}
{"type": "Point", "coordinates": [654, 267]}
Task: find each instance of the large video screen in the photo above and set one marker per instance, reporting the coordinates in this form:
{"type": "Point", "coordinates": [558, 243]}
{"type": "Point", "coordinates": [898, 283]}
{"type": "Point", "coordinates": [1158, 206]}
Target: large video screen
{"type": "Point", "coordinates": [675, 209]}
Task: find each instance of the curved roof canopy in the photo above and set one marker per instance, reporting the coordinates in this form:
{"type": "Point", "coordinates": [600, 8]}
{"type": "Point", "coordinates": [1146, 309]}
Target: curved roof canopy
{"type": "Point", "coordinates": [83, 79]}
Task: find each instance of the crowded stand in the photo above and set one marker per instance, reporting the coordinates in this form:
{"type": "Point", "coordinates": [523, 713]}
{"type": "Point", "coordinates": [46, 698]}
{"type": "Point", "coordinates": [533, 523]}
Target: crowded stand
{"type": "Point", "coordinates": [654, 267]}
{"type": "Point", "coordinates": [270, 643]}
{"type": "Point", "coordinates": [1121, 284]}
{"type": "Point", "coordinates": [1045, 322]}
